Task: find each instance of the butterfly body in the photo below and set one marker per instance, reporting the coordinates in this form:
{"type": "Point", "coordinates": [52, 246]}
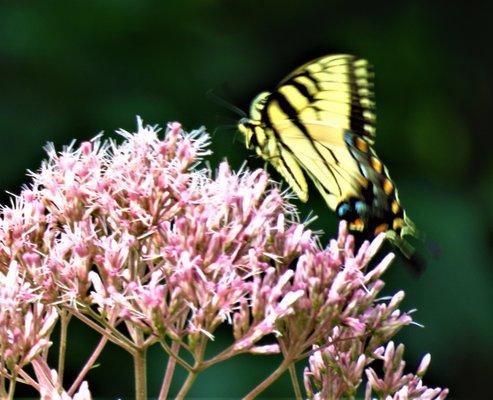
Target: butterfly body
{"type": "Point", "coordinates": [319, 123]}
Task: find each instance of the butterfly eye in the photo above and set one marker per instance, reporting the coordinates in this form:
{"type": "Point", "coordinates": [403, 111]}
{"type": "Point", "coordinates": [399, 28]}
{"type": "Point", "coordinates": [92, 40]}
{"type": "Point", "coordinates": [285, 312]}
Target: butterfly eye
{"type": "Point", "coordinates": [245, 127]}
{"type": "Point", "coordinates": [343, 210]}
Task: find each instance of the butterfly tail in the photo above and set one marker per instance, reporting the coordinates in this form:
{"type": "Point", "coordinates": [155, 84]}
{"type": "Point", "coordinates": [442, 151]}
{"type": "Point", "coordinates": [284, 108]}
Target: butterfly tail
{"type": "Point", "coordinates": [412, 258]}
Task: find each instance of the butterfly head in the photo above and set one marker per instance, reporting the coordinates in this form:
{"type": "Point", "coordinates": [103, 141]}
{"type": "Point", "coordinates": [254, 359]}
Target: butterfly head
{"type": "Point", "coordinates": [251, 126]}
{"type": "Point", "coordinates": [247, 127]}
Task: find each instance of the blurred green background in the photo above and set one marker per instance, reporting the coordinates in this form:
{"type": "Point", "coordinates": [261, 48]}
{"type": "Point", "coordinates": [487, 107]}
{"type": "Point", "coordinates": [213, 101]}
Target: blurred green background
{"type": "Point", "coordinates": [72, 69]}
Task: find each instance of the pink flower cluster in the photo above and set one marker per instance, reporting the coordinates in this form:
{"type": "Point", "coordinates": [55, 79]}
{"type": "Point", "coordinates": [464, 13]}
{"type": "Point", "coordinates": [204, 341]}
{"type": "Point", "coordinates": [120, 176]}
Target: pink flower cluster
{"type": "Point", "coordinates": [137, 235]}
{"type": "Point", "coordinates": [394, 384]}
{"type": "Point", "coordinates": [25, 323]}
{"type": "Point", "coordinates": [336, 371]}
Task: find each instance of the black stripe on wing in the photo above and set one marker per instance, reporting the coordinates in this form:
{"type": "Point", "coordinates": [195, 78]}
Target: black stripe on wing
{"type": "Point", "coordinates": [357, 119]}
{"type": "Point", "coordinates": [361, 118]}
{"type": "Point", "coordinates": [292, 115]}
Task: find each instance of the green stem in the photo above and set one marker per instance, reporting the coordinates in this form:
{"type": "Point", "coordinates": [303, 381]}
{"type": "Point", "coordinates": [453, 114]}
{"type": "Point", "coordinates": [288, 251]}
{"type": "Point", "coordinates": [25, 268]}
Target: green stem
{"type": "Point", "coordinates": [170, 369]}
{"type": "Point", "coordinates": [12, 387]}
{"type": "Point", "coordinates": [270, 379]}
{"type": "Point", "coordinates": [27, 380]}
{"type": "Point", "coordinates": [171, 353]}
{"type": "Point", "coordinates": [89, 364]}
{"type": "Point", "coordinates": [3, 392]}
{"type": "Point", "coordinates": [295, 382]}
{"type": "Point", "coordinates": [115, 336]}
{"type": "Point", "coordinates": [140, 369]}
{"type": "Point", "coordinates": [223, 355]}
{"type": "Point", "coordinates": [192, 375]}
{"type": "Point", "coordinates": [62, 348]}
{"type": "Point", "coordinates": [186, 385]}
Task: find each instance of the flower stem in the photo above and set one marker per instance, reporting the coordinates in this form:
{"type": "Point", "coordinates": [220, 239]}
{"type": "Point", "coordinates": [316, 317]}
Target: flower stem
{"type": "Point", "coordinates": [12, 388]}
{"type": "Point", "coordinates": [115, 336]}
{"type": "Point", "coordinates": [170, 369]}
{"type": "Point", "coordinates": [197, 367]}
{"type": "Point", "coordinates": [140, 370]}
{"type": "Point", "coordinates": [192, 375]}
{"type": "Point", "coordinates": [295, 382]}
{"type": "Point", "coordinates": [27, 380]}
{"type": "Point", "coordinates": [62, 348]}
{"type": "Point", "coordinates": [223, 355]}
{"type": "Point", "coordinates": [90, 362]}
{"type": "Point", "coordinates": [171, 353]}
{"type": "Point", "coordinates": [270, 379]}
{"type": "Point", "coordinates": [3, 392]}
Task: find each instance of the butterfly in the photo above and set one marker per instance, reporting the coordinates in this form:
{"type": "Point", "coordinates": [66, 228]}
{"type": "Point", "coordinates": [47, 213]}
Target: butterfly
{"type": "Point", "coordinates": [319, 123]}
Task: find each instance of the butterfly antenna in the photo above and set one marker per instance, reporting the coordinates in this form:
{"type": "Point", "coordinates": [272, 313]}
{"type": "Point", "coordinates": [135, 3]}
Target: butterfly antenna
{"type": "Point", "coordinates": [225, 127]}
{"type": "Point", "coordinates": [226, 104]}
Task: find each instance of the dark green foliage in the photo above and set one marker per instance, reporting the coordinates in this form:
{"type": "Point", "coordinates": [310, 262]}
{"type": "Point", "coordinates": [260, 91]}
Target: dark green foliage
{"type": "Point", "coordinates": [71, 69]}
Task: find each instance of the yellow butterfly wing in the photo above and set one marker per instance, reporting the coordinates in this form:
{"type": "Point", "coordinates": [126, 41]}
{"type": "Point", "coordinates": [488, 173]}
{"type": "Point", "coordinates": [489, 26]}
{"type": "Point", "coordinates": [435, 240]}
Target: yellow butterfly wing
{"type": "Point", "coordinates": [320, 150]}
{"type": "Point", "coordinates": [320, 121]}
{"type": "Point", "coordinates": [336, 90]}
{"type": "Point", "coordinates": [332, 94]}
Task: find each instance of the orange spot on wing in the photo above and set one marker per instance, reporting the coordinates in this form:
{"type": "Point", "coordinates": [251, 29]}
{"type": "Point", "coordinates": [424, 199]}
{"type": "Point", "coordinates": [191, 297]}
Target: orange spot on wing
{"type": "Point", "coordinates": [381, 228]}
{"type": "Point", "coordinates": [397, 224]}
{"type": "Point", "coordinates": [357, 225]}
{"type": "Point", "coordinates": [395, 207]}
{"type": "Point", "coordinates": [388, 187]}
{"type": "Point", "coordinates": [363, 182]}
{"type": "Point", "coordinates": [376, 164]}
{"type": "Point", "coordinates": [362, 145]}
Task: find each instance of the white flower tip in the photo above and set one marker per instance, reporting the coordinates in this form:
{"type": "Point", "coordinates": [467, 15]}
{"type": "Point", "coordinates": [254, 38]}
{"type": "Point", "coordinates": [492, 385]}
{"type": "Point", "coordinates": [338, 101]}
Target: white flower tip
{"type": "Point", "coordinates": [375, 245]}
{"type": "Point", "coordinates": [423, 366]}
{"type": "Point", "coordinates": [140, 123]}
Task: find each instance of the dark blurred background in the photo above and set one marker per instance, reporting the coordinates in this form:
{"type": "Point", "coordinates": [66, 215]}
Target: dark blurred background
{"type": "Point", "coordinates": [72, 69]}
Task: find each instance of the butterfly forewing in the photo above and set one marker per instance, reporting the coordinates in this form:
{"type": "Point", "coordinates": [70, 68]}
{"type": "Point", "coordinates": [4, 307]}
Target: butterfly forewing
{"type": "Point", "coordinates": [321, 152]}
{"type": "Point", "coordinates": [337, 89]}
